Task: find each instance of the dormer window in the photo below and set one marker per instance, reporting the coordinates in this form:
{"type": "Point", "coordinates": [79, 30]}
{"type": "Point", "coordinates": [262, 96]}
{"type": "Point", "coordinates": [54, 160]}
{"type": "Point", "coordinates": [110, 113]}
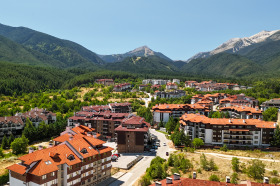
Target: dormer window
{"type": "Point", "coordinates": [71, 157]}
{"type": "Point", "coordinates": [48, 162]}
{"type": "Point", "coordinates": [84, 151]}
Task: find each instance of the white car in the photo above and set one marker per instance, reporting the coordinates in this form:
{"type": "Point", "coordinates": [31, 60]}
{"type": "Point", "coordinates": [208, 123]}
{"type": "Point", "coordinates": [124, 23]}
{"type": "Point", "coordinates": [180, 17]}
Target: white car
{"type": "Point", "coordinates": [164, 144]}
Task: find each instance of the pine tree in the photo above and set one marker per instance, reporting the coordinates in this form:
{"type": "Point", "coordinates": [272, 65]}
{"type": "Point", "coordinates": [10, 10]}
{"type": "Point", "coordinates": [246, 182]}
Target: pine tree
{"type": "Point", "coordinates": [276, 137]}
{"type": "Point", "coordinates": [11, 139]}
{"type": "Point", "coordinates": [5, 143]}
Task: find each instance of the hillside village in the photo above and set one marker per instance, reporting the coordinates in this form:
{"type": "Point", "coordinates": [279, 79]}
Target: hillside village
{"type": "Point", "coordinates": [100, 144]}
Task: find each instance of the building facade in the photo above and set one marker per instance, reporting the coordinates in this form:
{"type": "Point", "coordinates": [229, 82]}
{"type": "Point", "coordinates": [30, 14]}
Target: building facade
{"type": "Point", "coordinates": [105, 82]}
{"type": "Point", "coordinates": [132, 135]}
{"type": "Point", "coordinates": [172, 94]}
{"type": "Point", "coordinates": [80, 160]}
{"type": "Point", "coordinates": [235, 132]}
{"type": "Point", "coordinates": [271, 103]}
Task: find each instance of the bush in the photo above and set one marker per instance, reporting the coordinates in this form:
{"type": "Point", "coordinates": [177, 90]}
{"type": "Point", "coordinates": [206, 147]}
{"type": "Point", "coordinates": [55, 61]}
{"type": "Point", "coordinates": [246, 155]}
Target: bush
{"type": "Point", "coordinates": [235, 164]}
{"type": "Point", "coordinates": [256, 169]}
{"type": "Point", "coordinates": [224, 148]}
{"type": "Point", "coordinates": [4, 178]}
{"type": "Point", "coordinates": [274, 180]}
{"type": "Point", "coordinates": [145, 180]}
{"type": "Point", "coordinates": [199, 171]}
{"type": "Point", "coordinates": [207, 165]}
{"type": "Point", "coordinates": [197, 142]}
{"type": "Point", "coordinates": [274, 173]}
{"type": "Point", "coordinates": [234, 178]}
{"type": "Point", "coordinates": [214, 177]}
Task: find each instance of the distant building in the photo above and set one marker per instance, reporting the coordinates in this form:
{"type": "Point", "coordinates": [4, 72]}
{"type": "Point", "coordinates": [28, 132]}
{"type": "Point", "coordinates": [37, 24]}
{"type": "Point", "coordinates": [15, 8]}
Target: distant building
{"type": "Point", "coordinates": [234, 132]}
{"type": "Point", "coordinates": [79, 160]}
{"type": "Point", "coordinates": [154, 81]}
{"type": "Point", "coordinates": [15, 124]}
{"type": "Point", "coordinates": [106, 82]}
{"type": "Point", "coordinates": [243, 112]}
{"type": "Point", "coordinates": [176, 81]}
{"type": "Point", "coordinates": [142, 87]}
{"type": "Point", "coordinates": [173, 94]}
{"type": "Point", "coordinates": [132, 135]}
{"type": "Point", "coordinates": [271, 103]}
{"type": "Point", "coordinates": [239, 99]}
{"type": "Point", "coordinates": [122, 87]}
{"type": "Point", "coordinates": [171, 86]}
{"type": "Point", "coordinates": [163, 112]}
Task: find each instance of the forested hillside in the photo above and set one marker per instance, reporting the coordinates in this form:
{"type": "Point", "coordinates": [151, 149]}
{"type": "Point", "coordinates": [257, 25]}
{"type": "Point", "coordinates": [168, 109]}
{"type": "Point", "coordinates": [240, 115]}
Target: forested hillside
{"type": "Point", "coordinates": [70, 54]}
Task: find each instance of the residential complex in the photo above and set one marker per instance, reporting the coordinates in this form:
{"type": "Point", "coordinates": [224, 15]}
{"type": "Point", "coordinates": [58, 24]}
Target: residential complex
{"type": "Point", "coordinates": [79, 160]}
{"type": "Point", "coordinates": [122, 87]}
{"type": "Point", "coordinates": [132, 135]}
{"type": "Point", "coordinates": [171, 86]}
{"type": "Point", "coordinates": [235, 132]}
{"type": "Point", "coordinates": [15, 124]}
{"type": "Point", "coordinates": [106, 82]}
{"type": "Point", "coordinates": [243, 112]}
{"type": "Point", "coordinates": [172, 94]}
{"type": "Point", "coordinates": [271, 103]}
{"type": "Point", "coordinates": [162, 112]}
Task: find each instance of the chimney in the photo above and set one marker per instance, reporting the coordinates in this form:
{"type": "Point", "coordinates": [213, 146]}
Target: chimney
{"type": "Point", "coordinates": [88, 134]}
{"type": "Point", "coordinates": [70, 138]}
{"type": "Point", "coordinates": [30, 150]}
{"type": "Point", "coordinates": [176, 176]}
{"type": "Point", "coordinates": [266, 180]}
{"type": "Point", "coordinates": [194, 175]}
{"type": "Point", "coordinates": [227, 179]}
{"type": "Point", "coordinates": [94, 135]}
{"type": "Point", "coordinates": [168, 180]}
{"type": "Point", "coordinates": [40, 147]}
{"type": "Point", "coordinates": [77, 124]}
{"type": "Point", "coordinates": [229, 120]}
{"type": "Point", "coordinates": [89, 126]}
{"type": "Point", "coordinates": [158, 183]}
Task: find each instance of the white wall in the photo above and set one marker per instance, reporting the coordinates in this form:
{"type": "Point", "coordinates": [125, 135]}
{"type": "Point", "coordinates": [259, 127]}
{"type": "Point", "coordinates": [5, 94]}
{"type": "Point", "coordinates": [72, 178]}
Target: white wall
{"type": "Point", "coordinates": [14, 181]}
{"type": "Point", "coordinates": [156, 116]}
{"type": "Point", "coordinates": [166, 117]}
{"type": "Point", "coordinates": [208, 135]}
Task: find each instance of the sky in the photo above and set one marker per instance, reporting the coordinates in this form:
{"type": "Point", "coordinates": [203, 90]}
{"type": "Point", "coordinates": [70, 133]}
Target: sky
{"type": "Point", "coordinates": [177, 28]}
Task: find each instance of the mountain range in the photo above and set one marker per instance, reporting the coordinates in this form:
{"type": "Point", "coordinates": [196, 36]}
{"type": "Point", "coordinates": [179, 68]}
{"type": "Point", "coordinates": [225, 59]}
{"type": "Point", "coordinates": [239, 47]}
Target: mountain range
{"type": "Point", "coordinates": [238, 57]}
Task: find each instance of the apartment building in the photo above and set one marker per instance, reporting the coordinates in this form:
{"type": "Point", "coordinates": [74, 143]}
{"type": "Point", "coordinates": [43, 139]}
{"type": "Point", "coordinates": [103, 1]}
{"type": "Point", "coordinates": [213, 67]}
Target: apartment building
{"type": "Point", "coordinates": [80, 160]}
{"type": "Point", "coordinates": [162, 112]}
{"type": "Point", "coordinates": [171, 86]}
{"type": "Point", "coordinates": [243, 112]}
{"type": "Point", "coordinates": [155, 81]}
{"type": "Point", "coordinates": [104, 123]}
{"type": "Point", "coordinates": [106, 82]}
{"type": "Point", "coordinates": [132, 135]}
{"type": "Point", "coordinates": [172, 94]}
{"type": "Point", "coordinates": [271, 103]}
{"type": "Point", "coordinates": [239, 99]}
{"type": "Point", "coordinates": [15, 124]}
{"type": "Point", "coordinates": [215, 98]}
{"type": "Point", "coordinates": [122, 87]}
{"type": "Point", "coordinates": [113, 107]}
{"type": "Point", "coordinates": [235, 132]}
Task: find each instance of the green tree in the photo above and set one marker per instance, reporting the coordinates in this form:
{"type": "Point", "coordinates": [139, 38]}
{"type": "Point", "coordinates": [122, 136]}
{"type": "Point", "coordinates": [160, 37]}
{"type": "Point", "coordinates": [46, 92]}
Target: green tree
{"type": "Point", "coordinates": [256, 169]}
{"type": "Point", "coordinates": [19, 145]}
{"type": "Point", "coordinates": [224, 148]}
{"type": "Point", "coordinates": [235, 164]}
{"type": "Point", "coordinates": [276, 137]}
{"type": "Point", "coordinates": [30, 131]}
{"type": "Point", "coordinates": [1, 153]}
{"type": "Point", "coordinates": [5, 143]}
{"type": "Point", "coordinates": [214, 177]}
{"type": "Point", "coordinates": [197, 142]}
{"type": "Point", "coordinates": [170, 125]}
{"type": "Point", "coordinates": [270, 114]}
{"type": "Point", "coordinates": [145, 180]}
{"type": "Point", "coordinates": [11, 139]}
{"type": "Point", "coordinates": [234, 178]}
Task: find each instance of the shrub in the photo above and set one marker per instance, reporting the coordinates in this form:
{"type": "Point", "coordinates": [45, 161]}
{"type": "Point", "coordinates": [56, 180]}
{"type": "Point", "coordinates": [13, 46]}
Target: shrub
{"type": "Point", "coordinates": [199, 171]}
{"type": "Point", "coordinates": [207, 165]}
{"type": "Point", "coordinates": [234, 178]}
{"type": "Point", "coordinates": [4, 178]}
{"type": "Point", "coordinates": [224, 148]}
{"type": "Point", "coordinates": [214, 177]}
{"type": "Point", "coordinates": [145, 180]}
{"type": "Point", "coordinates": [274, 173]}
{"type": "Point", "coordinates": [274, 180]}
{"type": "Point", "coordinates": [235, 164]}
{"type": "Point", "coordinates": [256, 169]}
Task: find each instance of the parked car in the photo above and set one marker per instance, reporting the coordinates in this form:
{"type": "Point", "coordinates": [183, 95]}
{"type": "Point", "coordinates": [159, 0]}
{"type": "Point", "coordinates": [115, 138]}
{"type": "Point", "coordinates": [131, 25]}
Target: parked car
{"type": "Point", "coordinates": [114, 158]}
{"type": "Point", "coordinates": [164, 144]}
{"type": "Point", "coordinates": [117, 154]}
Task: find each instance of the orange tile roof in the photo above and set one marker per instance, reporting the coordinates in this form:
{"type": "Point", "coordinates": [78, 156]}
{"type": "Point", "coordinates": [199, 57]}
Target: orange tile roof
{"type": "Point", "coordinates": [17, 168]}
{"type": "Point", "coordinates": [225, 121]}
{"type": "Point", "coordinates": [242, 109]}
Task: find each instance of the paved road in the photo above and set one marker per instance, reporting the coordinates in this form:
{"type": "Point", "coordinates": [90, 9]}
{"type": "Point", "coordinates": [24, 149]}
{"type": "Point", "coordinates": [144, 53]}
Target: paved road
{"type": "Point", "coordinates": [147, 100]}
{"type": "Point", "coordinates": [139, 169]}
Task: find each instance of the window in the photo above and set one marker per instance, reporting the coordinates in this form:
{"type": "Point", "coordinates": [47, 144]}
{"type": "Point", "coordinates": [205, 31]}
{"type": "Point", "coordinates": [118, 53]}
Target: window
{"type": "Point", "coordinates": [89, 180]}
{"type": "Point", "coordinates": [53, 182]}
{"type": "Point", "coordinates": [98, 168]}
{"type": "Point", "coordinates": [70, 168]}
{"type": "Point", "coordinates": [71, 175]}
{"type": "Point", "coordinates": [255, 142]}
{"type": "Point", "coordinates": [256, 137]}
{"type": "Point", "coordinates": [256, 132]}
{"type": "Point", "coordinates": [44, 177]}
{"type": "Point", "coordinates": [53, 173]}
{"type": "Point", "coordinates": [104, 173]}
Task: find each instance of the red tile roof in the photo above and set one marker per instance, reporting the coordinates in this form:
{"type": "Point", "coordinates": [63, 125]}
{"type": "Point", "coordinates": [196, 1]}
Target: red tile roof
{"type": "Point", "coordinates": [17, 168]}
